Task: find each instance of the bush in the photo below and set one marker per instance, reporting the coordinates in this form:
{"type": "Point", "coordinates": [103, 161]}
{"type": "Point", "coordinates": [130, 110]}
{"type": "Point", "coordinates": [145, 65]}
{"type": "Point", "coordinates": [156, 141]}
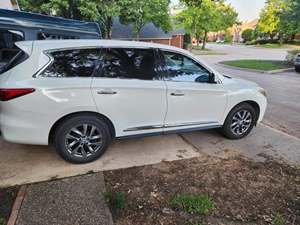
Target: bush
{"type": "Point", "coordinates": [290, 58]}
{"type": "Point", "coordinates": [248, 35]}
{"type": "Point", "coordinates": [267, 41]}
{"type": "Point", "coordinates": [253, 42]}
{"type": "Point", "coordinates": [116, 201]}
{"type": "Point", "coordinates": [228, 37]}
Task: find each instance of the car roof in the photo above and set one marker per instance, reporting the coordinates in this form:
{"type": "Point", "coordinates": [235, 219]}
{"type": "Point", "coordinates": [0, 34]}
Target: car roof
{"type": "Point", "coordinates": [64, 44]}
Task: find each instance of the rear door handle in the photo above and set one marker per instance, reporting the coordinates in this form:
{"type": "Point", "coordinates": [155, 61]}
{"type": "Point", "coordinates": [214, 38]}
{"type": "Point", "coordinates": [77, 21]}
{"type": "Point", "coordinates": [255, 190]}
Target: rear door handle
{"type": "Point", "coordinates": [177, 94]}
{"type": "Point", "coordinates": [106, 92]}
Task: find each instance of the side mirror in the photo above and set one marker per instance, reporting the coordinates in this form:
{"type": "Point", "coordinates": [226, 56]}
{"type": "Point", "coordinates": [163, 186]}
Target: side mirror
{"type": "Point", "coordinates": [212, 78]}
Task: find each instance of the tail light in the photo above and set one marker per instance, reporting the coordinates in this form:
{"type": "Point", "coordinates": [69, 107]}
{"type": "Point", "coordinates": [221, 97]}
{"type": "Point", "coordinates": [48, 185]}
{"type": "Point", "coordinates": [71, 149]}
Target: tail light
{"type": "Point", "coordinates": [8, 94]}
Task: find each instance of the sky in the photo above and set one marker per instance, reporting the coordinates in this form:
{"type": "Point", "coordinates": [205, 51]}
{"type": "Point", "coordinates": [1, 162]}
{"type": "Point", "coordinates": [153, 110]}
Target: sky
{"type": "Point", "coordinates": [247, 9]}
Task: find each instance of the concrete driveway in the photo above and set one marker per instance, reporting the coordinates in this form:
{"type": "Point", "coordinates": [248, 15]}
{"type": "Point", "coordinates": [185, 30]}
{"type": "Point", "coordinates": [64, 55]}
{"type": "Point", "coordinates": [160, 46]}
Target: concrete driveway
{"type": "Point", "coordinates": [20, 164]}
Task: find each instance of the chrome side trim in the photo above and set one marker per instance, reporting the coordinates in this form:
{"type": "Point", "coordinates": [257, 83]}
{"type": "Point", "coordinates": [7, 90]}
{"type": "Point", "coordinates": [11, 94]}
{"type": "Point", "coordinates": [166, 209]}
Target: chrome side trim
{"type": "Point", "coordinates": [182, 130]}
{"type": "Point", "coordinates": [169, 126]}
{"type": "Point", "coordinates": [144, 128]}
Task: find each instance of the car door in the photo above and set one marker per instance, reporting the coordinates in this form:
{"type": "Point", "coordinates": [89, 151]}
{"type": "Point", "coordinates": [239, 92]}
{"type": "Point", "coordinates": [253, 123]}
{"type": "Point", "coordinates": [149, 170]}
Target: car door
{"type": "Point", "coordinates": [194, 98]}
{"type": "Point", "coordinates": [129, 92]}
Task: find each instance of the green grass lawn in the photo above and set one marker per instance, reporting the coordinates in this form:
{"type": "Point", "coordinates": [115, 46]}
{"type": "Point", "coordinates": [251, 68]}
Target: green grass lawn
{"type": "Point", "coordinates": [263, 65]}
{"type": "Point", "coordinates": [278, 46]}
{"type": "Point", "coordinates": [206, 52]}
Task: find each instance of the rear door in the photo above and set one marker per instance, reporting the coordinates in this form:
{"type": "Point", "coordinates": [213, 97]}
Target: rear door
{"type": "Point", "coordinates": [128, 90]}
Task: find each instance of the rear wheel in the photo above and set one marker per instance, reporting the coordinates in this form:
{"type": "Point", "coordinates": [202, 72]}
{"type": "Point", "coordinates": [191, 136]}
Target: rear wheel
{"type": "Point", "coordinates": [297, 68]}
{"type": "Point", "coordinates": [239, 122]}
{"type": "Point", "coordinates": [82, 139]}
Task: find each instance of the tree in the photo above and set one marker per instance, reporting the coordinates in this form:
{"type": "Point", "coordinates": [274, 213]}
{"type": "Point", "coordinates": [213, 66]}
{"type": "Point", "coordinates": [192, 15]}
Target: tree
{"type": "Point", "coordinates": [211, 16]}
{"type": "Point", "coordinates": [289, 24]}
{"type": "Point", "coordinates": [100, 11]}
{"type": "Point", "coordinates": [140, 12]}
{"type": "Point", "coordinates": [269, 21]}
{"type": "Point", "coordinates": [64, 8]}
{"type": "Point", "coordinates": [192, 2]}
{"type": "Point", "coordinates": [248, 35]}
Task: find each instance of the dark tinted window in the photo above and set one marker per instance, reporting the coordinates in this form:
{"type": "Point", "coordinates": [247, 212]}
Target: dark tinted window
{"type": "Point", "coordinates": [128, 64]}
{"type": "Point", "coordinates": [16, 60]}
{"type": "Point", "coordinates": [8, 50]}
{"type": "Point", "coordinates": [182, 68]}
{"type": "Point", "coordinates": [73, 63]}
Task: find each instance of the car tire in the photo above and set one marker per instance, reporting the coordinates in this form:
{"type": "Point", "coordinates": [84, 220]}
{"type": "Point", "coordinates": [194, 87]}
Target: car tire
{"type": "Point", "coordinates": [239, 122]}
{"type": "Point", "coordinates": [82, 139]}
{"type": "Point", "coordinates": [297, 69]}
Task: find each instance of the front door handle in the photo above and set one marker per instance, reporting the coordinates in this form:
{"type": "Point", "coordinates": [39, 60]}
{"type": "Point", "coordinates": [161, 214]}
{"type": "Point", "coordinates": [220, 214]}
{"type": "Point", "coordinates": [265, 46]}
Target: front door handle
{"type": "Point", "coordinates": [106, 92]}
{"type": "Point", "coordinates": [177, 94]}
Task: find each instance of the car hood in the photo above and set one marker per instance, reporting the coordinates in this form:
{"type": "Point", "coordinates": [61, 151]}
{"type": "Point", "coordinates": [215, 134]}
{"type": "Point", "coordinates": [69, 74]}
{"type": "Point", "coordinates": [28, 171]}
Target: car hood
{"type": "Point", "coordinates": [239, 83]}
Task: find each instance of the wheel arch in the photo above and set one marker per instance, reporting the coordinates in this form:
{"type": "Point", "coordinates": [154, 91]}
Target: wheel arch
{"type": "Point", "coordinates": [254, 104]}
{"type": "Point", "coordinates": [90, 113]}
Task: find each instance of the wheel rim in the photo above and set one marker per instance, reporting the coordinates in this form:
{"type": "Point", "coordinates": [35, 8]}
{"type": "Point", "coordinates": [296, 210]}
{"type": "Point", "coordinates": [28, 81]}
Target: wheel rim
{"type": "Point", "coordinates": [83, 140]}
{"type": "Point", "coordinates": [241, 122]}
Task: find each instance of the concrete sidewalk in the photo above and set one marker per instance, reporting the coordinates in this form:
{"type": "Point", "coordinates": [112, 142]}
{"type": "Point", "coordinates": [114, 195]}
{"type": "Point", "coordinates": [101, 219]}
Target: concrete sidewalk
{"type": "Point", "coordinates": [71, 201]}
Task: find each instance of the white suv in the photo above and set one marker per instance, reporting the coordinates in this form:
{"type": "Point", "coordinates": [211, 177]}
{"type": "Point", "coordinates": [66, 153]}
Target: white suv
{"type": "Point", "coordinates": [80, 94]}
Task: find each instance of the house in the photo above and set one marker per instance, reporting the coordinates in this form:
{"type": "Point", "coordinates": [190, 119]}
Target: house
{"type": "Point", "coordinates": [149, 33]}
{"type": "Point", "coordinates": [9, 4]}
{"type": "Point", "coordinates": [235, 31]}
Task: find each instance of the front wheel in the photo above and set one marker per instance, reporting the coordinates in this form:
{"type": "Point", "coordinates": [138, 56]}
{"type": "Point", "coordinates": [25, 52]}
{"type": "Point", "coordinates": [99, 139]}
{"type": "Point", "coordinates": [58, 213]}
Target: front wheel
{"type": "Point", "coordinates": [82, 139]}
{"type": "Point", "coordinates": [239, 122]}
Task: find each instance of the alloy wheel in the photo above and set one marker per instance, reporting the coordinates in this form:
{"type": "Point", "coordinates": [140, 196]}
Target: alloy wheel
{"type": "Point", "coordinates": [241, 122]}
{"type": "Point", "coordinates": [83, 140]}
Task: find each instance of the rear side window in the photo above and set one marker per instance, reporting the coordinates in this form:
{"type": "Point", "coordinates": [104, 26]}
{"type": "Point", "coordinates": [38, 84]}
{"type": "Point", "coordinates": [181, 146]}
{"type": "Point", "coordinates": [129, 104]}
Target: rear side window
{"type": "Point", "coordinates": [8, 50]}
{"type": "Point", "coordinates": [16, 60]}
{"type": "Point", "coordinates": [128, 64]}
{"type": "Point", "coordinates": [72, 63]}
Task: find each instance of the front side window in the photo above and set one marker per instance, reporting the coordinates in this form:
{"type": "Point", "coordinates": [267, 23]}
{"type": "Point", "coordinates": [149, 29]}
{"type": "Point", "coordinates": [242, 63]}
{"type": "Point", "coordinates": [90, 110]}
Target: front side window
{"type": "Point", "coordinates": [72, 63]}
{"type": "Point", "coordinates": [128, 64]}
{"type": "Point", "coordinates": [184, 69]}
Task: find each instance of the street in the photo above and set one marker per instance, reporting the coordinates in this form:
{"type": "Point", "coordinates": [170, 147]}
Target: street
{"type": "Point", "coordinates": [283, 111]}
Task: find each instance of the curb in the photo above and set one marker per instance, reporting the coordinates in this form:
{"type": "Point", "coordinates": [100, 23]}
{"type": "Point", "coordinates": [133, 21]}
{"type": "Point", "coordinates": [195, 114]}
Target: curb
{"type": "Point", "coordinates": [256, 71]}
{"type": "Point", "coordinates": [17, 205]}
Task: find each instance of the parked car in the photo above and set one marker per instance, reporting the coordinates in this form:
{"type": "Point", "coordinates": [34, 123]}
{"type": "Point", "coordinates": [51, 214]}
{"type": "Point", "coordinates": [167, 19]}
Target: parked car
{"type": "Point", "coordinates": [297, 63]}
{"type": "Point", "coordinates": [21, 26]}
{"type": "Point", "coordinates": [79, 95]}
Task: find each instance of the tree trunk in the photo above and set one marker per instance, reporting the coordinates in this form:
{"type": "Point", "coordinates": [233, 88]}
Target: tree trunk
{"type": "Point", "coordinates": [108, 28]}
{"type": "Point", "coordinates": [191, 47]}
{"type": "Point", "coordinates": [137, 36]}
{"type": "Point", "coordinates": [281, 39]}
{"type": "Point", "coordinates": [204, 40]}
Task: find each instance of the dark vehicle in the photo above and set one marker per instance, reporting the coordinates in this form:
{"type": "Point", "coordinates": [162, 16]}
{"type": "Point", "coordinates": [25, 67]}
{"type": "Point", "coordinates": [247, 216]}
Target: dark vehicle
{"type": "Point", "coordinates": [22, 26]}
{"type": "Point", "coordinates": [297, 63]}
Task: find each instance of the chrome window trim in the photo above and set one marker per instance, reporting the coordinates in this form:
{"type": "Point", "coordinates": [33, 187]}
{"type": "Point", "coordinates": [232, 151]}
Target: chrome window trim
{"type": "Point", "coordinates": [51, 59]}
